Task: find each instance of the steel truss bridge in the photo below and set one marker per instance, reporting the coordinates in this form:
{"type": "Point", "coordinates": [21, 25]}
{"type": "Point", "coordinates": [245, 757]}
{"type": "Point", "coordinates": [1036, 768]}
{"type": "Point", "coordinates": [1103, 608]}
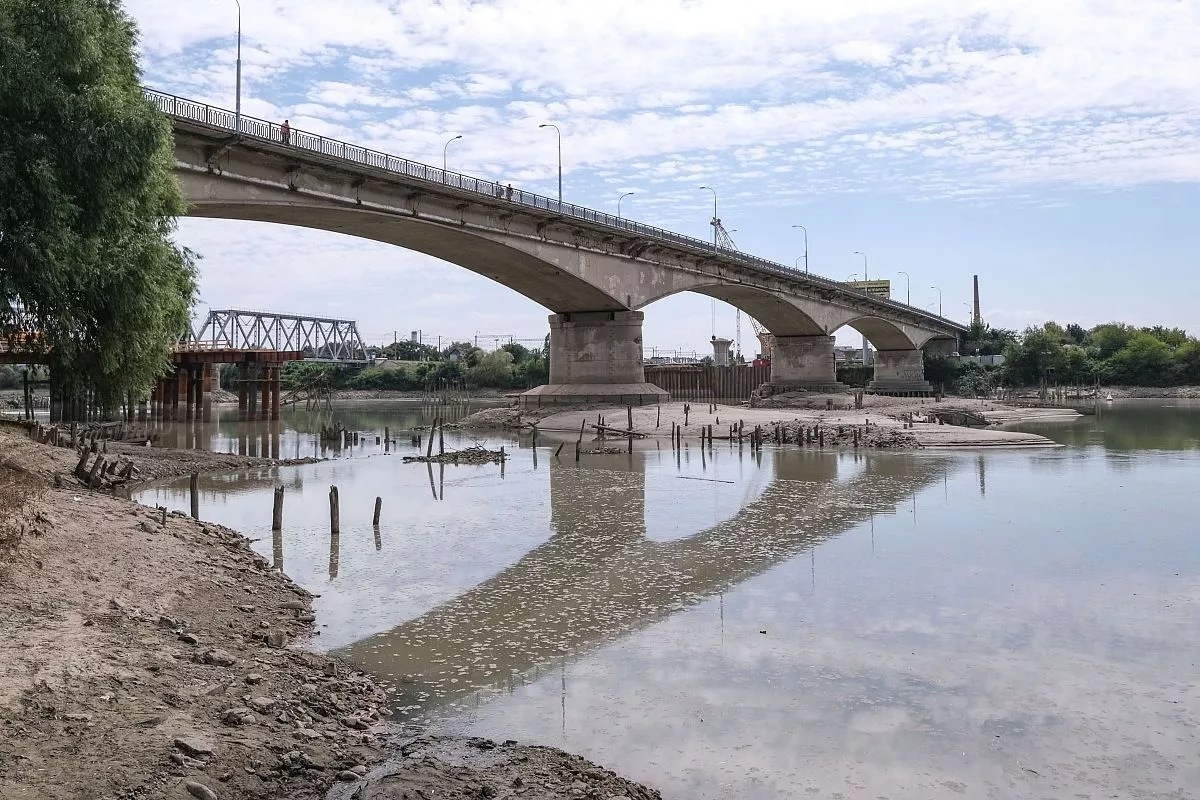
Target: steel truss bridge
{"type": "Point", "coordinates": [318, 338]}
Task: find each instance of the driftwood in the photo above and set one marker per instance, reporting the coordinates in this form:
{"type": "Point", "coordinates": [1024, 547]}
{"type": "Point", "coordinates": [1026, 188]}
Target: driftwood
{"type": "Point", "coordinates": [618, 431]}
{"type": "Point", "coordinates": [472, 455]}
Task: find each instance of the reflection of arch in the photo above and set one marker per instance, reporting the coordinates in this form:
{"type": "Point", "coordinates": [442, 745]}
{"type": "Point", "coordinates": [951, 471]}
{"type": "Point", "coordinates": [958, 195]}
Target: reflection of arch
{"type": "Point", "coordinates": [883, 335]}
{"type": "Point", "coordinates": [772, 311]}
{"type": "Point", "coordinates": [538, 280]}
{"type": "Point", "coordinates": [597, 577]}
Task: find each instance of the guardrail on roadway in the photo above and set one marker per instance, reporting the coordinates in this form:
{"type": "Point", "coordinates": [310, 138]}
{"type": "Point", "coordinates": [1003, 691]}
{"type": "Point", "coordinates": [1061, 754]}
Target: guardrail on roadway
{"type": "Point", "coordinates": [193, 111]}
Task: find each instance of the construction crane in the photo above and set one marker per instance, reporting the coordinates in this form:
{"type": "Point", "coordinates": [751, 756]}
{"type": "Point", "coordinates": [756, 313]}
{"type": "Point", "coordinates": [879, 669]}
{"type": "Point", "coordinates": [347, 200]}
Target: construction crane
{"type": "Point", "coordinates": [724, 242]}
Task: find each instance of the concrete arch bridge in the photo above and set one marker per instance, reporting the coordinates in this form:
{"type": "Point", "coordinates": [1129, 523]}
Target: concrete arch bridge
{"type": "Point", "coordinates": [594, 271]}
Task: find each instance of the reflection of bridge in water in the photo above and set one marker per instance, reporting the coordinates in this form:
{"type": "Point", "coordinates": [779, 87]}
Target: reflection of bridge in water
{"type": "Point", "coordinates": [599, 577]}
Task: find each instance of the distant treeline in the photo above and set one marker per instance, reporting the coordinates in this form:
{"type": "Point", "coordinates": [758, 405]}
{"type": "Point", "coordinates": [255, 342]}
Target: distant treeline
{"type": "Point", "coordinates": [1113, 353]}
{"type": "Point", "coordinates": [414, 366]}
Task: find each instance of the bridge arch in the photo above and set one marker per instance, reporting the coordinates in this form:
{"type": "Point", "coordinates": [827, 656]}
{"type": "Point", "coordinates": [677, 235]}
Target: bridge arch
{"type": "Point", "coordinates": [882, 334]}
{"type": "Point", "coordinates": [774, 312]}
{"type": "Point", "coordinates": [538, 279]}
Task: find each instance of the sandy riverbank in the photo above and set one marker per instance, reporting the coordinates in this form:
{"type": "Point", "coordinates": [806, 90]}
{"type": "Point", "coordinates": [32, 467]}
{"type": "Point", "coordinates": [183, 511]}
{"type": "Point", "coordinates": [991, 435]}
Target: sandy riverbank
{"type": "Point", "coordinates": [142, 660]}
{"type": "Point", "coordinates": [881, 423]}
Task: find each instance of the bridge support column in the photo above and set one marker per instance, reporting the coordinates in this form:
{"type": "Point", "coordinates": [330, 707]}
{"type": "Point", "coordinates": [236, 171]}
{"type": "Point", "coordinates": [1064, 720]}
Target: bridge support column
{"type": "Point", "coordinates": [596, 357]}
{"type": "Point", "coordinates": [243, 387]}
{"type": "Point", "coordinates": [251, 371]}
{"type": "Point", "coordinates": [264, 388]}
{"type": "Point", "coordinates": [804, 362]}
{"type": "Point", "coordinates": [188, 376]}
{"type": "Point", "coordinates": [899, 372]}
{"type": "Point", "coordinates": [275, 391]}
{"type": "Point", "coordinates": [206, 381]}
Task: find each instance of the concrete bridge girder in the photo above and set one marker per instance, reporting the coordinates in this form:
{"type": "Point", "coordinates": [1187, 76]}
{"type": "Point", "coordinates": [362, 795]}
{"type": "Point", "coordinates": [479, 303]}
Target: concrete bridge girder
{"type": "Point", "coordinates": [558, 262]}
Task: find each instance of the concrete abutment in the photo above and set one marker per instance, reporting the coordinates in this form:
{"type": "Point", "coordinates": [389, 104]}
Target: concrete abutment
{"type": "Point", "coordinates": [596, 356]}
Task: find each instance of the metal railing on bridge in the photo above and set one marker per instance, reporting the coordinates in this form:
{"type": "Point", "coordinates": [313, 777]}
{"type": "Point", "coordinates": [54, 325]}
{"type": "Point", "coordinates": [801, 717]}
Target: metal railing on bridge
{"type": "Point", "coordinates": [318, 338]}
{"type": "Point", "coordinates": [182, 108]}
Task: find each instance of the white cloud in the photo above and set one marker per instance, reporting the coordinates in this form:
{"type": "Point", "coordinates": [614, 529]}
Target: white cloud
{"type": "Point", "coordinates": [970, 100]}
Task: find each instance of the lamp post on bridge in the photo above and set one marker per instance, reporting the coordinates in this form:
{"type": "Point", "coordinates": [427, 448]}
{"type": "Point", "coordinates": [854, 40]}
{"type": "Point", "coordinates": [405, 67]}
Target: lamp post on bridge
{"type": "Point", "coordinates": [801, 227]}
{"type": "Point", "coordinates": [619, 199]}
{"type": "Point", "coordinates": [864, 255]}
{"type": "Point", "coordinates": [237, 109]}
{"type": "Point", "coordinates": [907, 288]}
{"type": "Point", "coordinates": [866, 344]}
{"type": "Point", "coordinates": [559, 132]}
{"type": "Point", "coordinates": [939, 291]}
{"type": "Point", "coordinates": [715, 219]}
{"type": "Point", "coordinates": [446, 148]}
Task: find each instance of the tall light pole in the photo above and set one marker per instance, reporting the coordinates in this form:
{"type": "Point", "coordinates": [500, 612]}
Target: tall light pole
{"type": "Point", "coordinates": [864, 255]}
{"type": "Point", "coordinates": [714, 219]}
{"type": "Point", "coordinates": [939, 291]}
{"type": "Point", "coordinates": [445, 148]}
{"type": "Point", "coordinates": [907, 288]}
{"type": "Point", "coordinates": [619, 199]}
{"type": "Point", "coordinates": [801, 227]}
{"type": "Point", "coordinates": [237, 113]}
{"type": "Point", "coordinates": [866, 344]}
{"type": "Point", "coordinates": [559, 132]}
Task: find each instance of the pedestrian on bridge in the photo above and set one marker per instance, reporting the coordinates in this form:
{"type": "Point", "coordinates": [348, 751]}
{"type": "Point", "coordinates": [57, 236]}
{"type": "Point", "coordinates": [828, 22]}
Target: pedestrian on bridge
{"type": "Point", "coordinates": [508, 192]}
{"type": "Point", "coordinates": [285, 132]}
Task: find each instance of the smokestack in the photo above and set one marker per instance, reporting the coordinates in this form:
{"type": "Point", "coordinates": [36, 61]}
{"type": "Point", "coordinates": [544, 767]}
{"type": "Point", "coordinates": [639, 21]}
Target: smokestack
{"type": "Point", "coordinates": [977, 319]}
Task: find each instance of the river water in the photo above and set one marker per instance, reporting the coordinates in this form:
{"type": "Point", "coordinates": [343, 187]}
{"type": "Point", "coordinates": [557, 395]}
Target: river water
{"type": "Point", "coordinates": [722, 624]}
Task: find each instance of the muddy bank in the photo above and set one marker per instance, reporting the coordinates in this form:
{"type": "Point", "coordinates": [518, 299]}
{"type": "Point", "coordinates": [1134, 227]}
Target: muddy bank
{"type": "Point", "coordinates": [143, 660]}
{"type": "Point", "coordinates": [893, 423]}
{"type": "Point", "coordinates": [430, 767]}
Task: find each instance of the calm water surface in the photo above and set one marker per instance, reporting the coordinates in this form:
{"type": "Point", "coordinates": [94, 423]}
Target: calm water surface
{"type": "Point", "coordinates": [790, 624]}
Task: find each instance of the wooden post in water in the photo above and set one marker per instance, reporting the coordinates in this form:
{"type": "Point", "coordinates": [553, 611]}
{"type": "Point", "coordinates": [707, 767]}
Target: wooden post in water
{"type": "Point", "coordinates": [441, 437]}
{"type": "Point", "coordinates": [277, 510]}
{"type": "Point", "coordinates": [194, 488]}
{"type": "Point", "coordinates": [387, 439]}
{"type": "Point", "coordinates": [378, 508]}
{"type": "Point", "coordinates": [335, 514]}
{"type": "Point", "coordinates": [95, 469]}
{"type": "Point", "coordinates": [429, 444]}
{"type": "Point", "coordinates": [658, 416]}
{"type": "Point", "coordinates": [629, 417]}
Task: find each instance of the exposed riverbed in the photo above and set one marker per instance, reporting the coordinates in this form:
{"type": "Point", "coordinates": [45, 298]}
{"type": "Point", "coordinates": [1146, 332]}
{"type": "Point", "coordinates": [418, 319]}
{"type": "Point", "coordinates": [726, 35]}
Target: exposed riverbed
{"type": "Point", "coordinates": [726, 624]}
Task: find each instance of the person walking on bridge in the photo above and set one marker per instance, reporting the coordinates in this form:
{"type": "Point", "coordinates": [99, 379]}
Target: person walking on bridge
{"type": "Point", "coordinates": [285, 132]}
{"type": "Point", "coordinates": [508, 192]}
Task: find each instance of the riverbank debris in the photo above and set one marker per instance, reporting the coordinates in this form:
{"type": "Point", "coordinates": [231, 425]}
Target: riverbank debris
{"type": "Point", "coordinates": [472, 455]}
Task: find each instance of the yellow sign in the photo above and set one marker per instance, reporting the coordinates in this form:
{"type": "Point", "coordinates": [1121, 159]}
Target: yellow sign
{"type": "Point", "coordinates": [874, 288]}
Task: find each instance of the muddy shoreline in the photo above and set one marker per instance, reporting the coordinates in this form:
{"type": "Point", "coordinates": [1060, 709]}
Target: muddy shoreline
{"type": "Point", "coordinates": [143, 660]}
{"type": "Point", "coordinates": [882, 422]}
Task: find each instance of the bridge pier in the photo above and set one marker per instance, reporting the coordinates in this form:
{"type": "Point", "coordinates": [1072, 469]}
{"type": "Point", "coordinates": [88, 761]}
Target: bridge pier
{"type": "Point", "coordinates": [899, 372]}
{"type": "Point", "coordinates": [804, 362]}
{"type": "Point", "coordinates": [596, 356]}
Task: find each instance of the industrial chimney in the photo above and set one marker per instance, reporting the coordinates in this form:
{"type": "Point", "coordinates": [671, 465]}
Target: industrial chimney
{"type": "Point", "coordinates": [976, 318]}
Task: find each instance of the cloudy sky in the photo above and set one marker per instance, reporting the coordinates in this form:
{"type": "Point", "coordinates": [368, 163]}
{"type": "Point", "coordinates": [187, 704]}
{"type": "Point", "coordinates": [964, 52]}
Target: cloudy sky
{"type": "Point", "coordinates": [1052, 148]}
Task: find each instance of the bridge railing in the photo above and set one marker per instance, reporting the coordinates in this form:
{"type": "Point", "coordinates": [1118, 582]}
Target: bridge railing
{"type": "Point", "coordinates": [190, 110]}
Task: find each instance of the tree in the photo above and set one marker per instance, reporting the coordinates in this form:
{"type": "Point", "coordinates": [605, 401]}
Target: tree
{"type": "Point", "coordinates": [1110, 337]}
{"type": "Point", "coordinates": [492, 369]}
{"type": "Point", "coordinates": [1143, 361]}
{"type": "Point", "coordinates": [409, 351]}
{"type": "Point", "coordinates": [87, 200]}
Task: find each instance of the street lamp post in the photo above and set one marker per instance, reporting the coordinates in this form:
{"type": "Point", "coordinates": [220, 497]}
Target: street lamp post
{"type": "Point", "coordinates": [714, 219]}
{"type": "Point", "coordinates": [237, 113]}
{"type": "Point", "coordinates": [445, 148]}
{"type": "Point", "coordinates": [864, 255]}
{"type": "Point", "coordinates": [939, 291]}
{"type": "Point", "coordinates": [559, 132]}
{"type": "Point", "coordinates": [866, 344]}
{"type": "Point", "coordinates": [619, 199]}
{"type": "Point", "coordinates": [801, 227]}
{"type": "Point", "coordinates": [907, 288]}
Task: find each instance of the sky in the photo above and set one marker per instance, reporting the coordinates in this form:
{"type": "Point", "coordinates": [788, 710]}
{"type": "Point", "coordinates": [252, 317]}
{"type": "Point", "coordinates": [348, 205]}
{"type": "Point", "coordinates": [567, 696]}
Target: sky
{"type": "Point", "coordinates": [1051, 148]}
